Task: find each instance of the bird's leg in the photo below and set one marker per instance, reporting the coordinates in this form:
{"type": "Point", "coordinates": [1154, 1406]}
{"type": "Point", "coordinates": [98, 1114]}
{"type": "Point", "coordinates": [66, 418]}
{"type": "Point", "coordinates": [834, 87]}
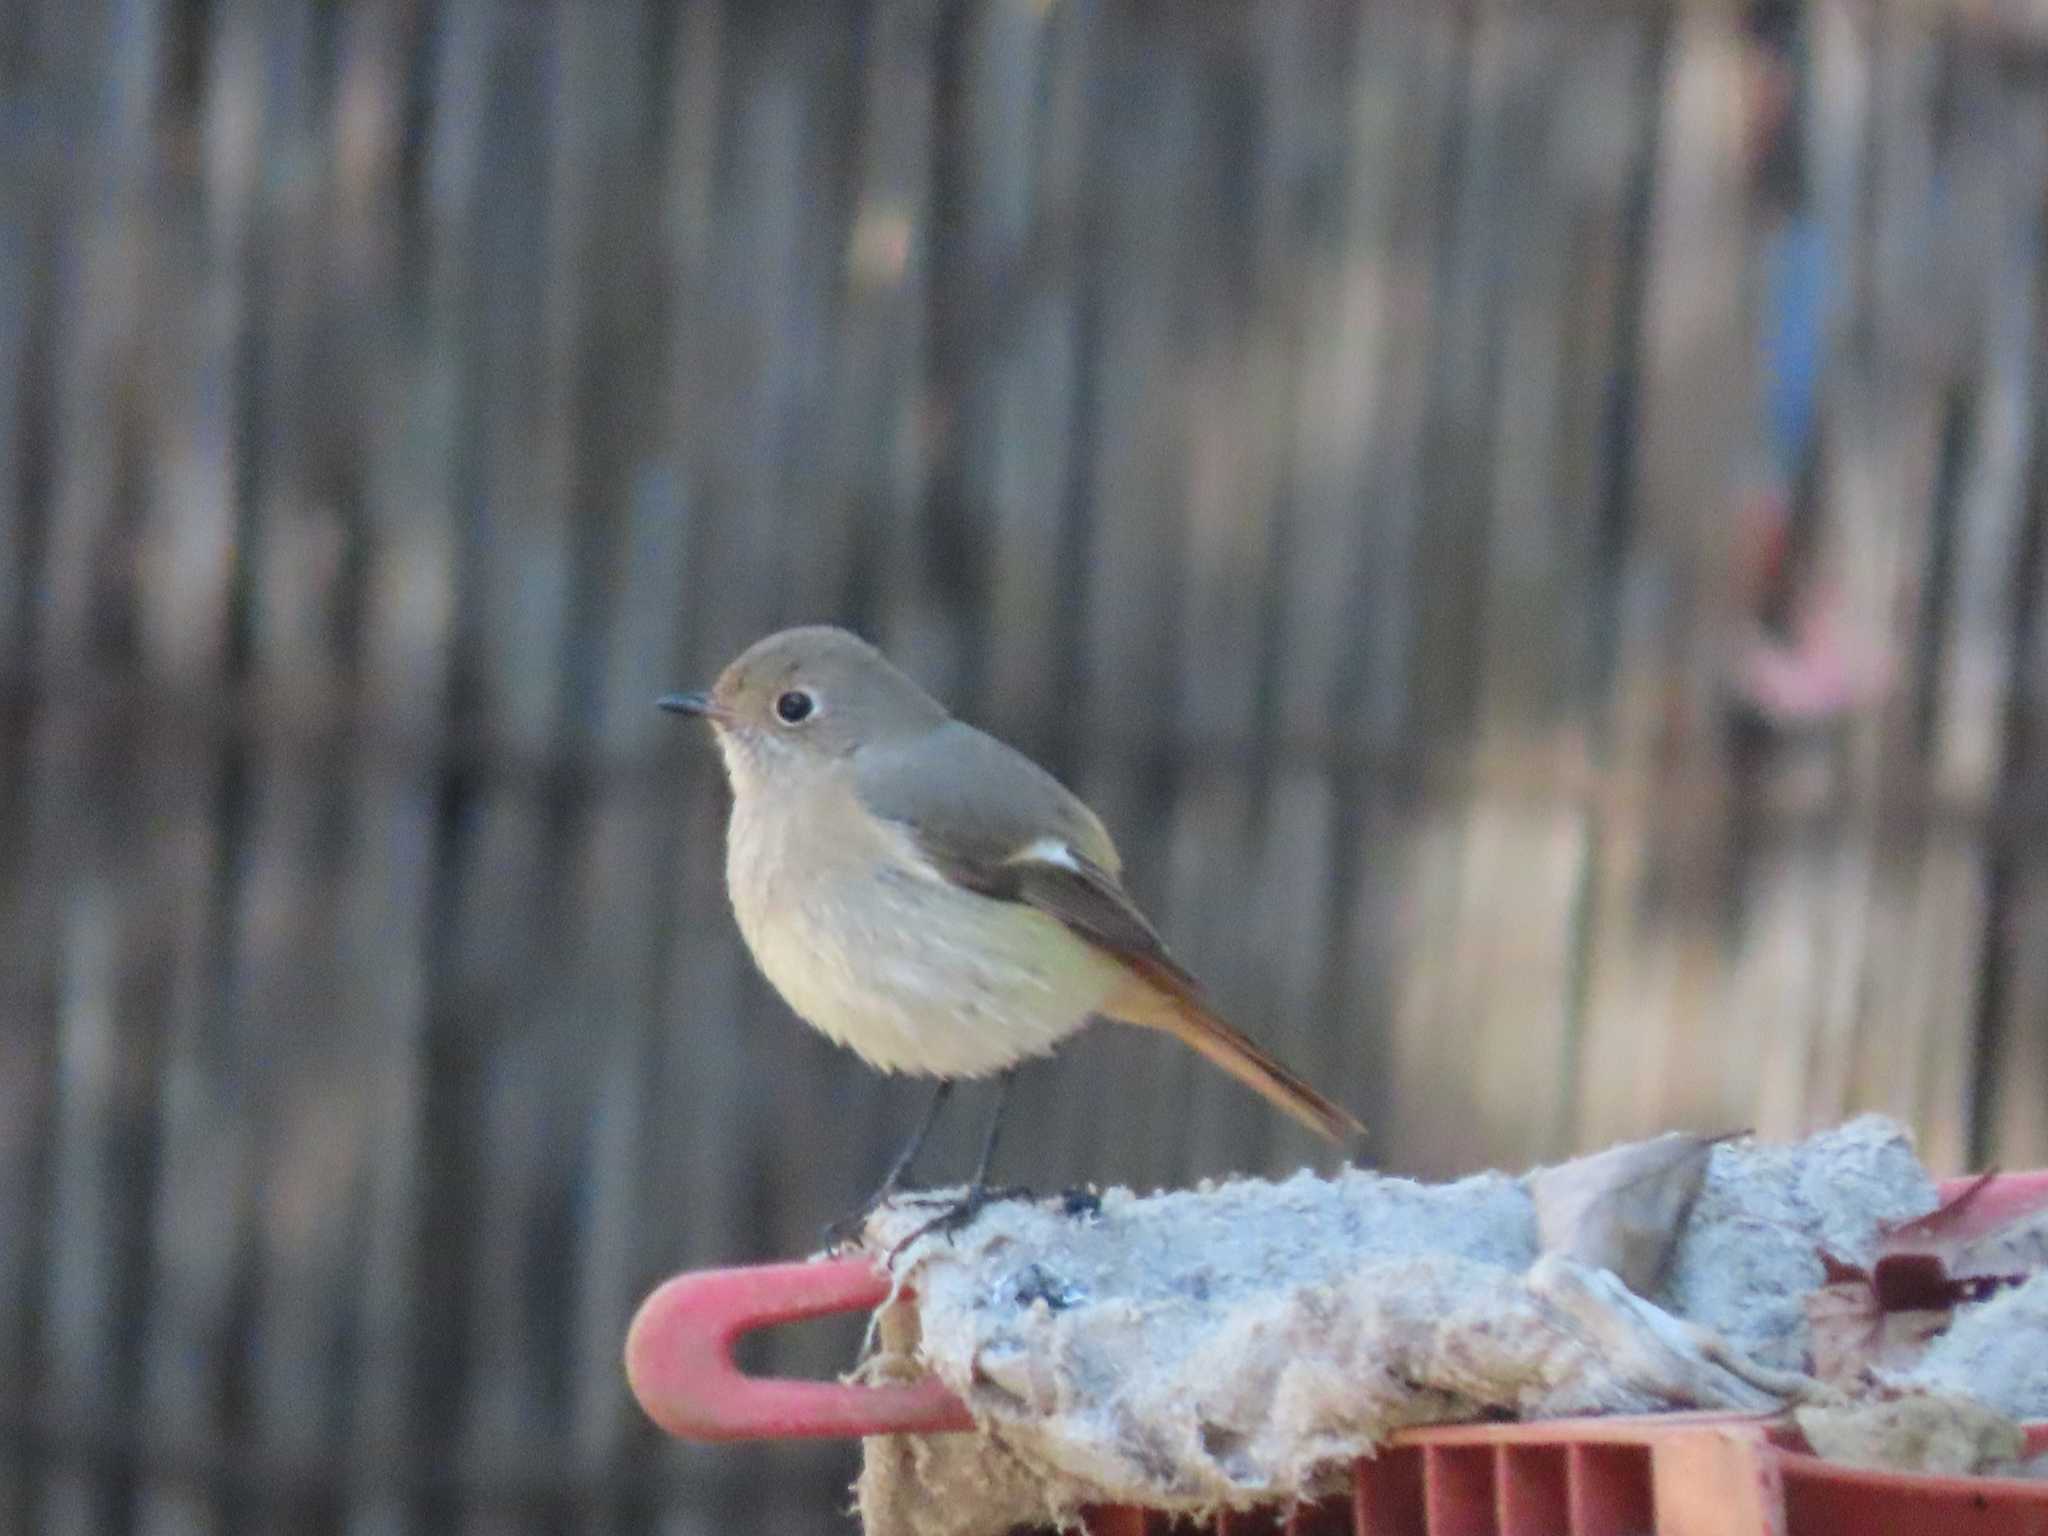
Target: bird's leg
{"type": "Point", "coordinates": [964, 1210]}
{"type": "Point", "coordinates": [848, 1227]}
{"type": "Point", "coordinates": [988, 1142]}
{"type": "Point", "coordinates": [912, 1147]}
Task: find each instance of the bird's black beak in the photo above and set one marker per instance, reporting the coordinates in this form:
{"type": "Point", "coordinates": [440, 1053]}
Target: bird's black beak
{"type": "Point", "coordinates": [690, 704]}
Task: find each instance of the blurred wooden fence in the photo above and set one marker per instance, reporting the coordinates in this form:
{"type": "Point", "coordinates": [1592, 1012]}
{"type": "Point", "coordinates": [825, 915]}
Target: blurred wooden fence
{"type": "Point", "coordinates": [1324, 432]}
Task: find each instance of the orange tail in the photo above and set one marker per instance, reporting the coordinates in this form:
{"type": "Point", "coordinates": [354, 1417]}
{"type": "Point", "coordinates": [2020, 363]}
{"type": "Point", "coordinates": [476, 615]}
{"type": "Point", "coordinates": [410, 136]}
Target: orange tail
{"type": "Point", "coordinates": [1185, 1017]}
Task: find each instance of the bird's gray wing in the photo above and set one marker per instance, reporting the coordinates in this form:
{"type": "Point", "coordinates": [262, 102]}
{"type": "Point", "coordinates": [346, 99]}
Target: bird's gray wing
{"type": "Point", "coordinates": [991, 820]}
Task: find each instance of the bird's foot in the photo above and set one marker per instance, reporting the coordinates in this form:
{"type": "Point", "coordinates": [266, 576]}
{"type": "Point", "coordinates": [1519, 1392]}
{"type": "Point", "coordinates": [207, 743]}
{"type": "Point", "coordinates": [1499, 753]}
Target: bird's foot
{"type": "Point", "coordinates": [981, 1195]}
{"type": "Point", "coordinates": [959, 1213]}
{"type": "Point", "coordinates": [847, 1232]}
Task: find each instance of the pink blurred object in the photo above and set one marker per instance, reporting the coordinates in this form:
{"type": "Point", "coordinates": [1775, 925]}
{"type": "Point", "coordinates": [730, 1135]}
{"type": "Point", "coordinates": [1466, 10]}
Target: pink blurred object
{"type": "Point", "coordinates": [1818, 676]}
{"type": "Point", "coordinates": [1820, 673]}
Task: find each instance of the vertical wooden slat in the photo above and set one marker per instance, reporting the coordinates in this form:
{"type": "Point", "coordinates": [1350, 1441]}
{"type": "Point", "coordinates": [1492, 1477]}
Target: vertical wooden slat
{"type": "Point", "coordinates": [1436, 1053]}
{"type": "Point", "coordinates": [1648, 960]}
{"type": "Point", "coordinates": [29, 211]}
{"type": "Point", "coordinates": [1882, 513]}
{"type": "Point", "coordinates": [609, 473]}
{"type": "Point", "coordinates": [1525, 847]}
{"type": "Point", "coordinates": [1354, 506]}
{"type": "Point", "coordinates": [1899, 444]}
{"type": "Point", "coordinates": [1233, 521]}
{"type": "Point", "coordinates": [567, 1226]}
{"type": "Point", "coordinates": [310, 1104]}
{"type": "Point", "coordinates": [1335, 315]}
{"type": "Point", "coordinates": [516, 1075]}
{"type": "Point", "coordinates": [23, 270]}
{"type": "Point", "coordinates": [468, 207]}
{"type": "Point", "coordinates": [1291, 906]}
{"type": "Point", "coordinates": [1208, 612]}
{"type": "Point", "coordinates": [2006, 1119]}
{"type": "Point", "coordinates": [103, 892]}
{"type": "Point", "coordinates": [1388, 784]}
{"type": "Point", "coordinates": [1999, 140]}
{"type": "Point", "coordinates": [1135, 472]}
{"type": "Point", "coordinates": [205, 1108]}
{"type": "Point", "coordinates": [406, 794]}
{"type": "Point", "coordinates": [1031, 255]}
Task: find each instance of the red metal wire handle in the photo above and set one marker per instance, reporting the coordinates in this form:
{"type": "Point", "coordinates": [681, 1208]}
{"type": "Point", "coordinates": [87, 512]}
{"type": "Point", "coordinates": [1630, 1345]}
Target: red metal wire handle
{"type": "Point", "coordinates": [679, 1359]}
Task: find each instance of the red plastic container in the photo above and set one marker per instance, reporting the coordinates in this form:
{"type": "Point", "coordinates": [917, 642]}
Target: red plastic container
{"type": "Point", "coordinates": [1667, 1475]}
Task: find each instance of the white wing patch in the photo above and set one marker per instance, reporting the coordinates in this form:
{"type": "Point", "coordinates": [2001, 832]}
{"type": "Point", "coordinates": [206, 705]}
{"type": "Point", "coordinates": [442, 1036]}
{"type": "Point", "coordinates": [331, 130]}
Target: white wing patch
{"type": "Point", "coordinates": [1047, 850]}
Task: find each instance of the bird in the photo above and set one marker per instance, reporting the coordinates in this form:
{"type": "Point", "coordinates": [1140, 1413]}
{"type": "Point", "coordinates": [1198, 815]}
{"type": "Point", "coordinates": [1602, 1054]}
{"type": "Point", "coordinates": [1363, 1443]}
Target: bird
{"type": "Point", "coordinates": [929, 897]}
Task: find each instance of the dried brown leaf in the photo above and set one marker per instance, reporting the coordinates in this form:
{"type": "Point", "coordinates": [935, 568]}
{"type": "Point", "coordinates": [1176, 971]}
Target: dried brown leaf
{"type": "Point", "coordinates": [1853, 1333]}
{"type": "Point", "coordinates": [1622, 1209]}
{"type": "Point", "coordinates": [1993, 1233]}
{"type": "Point", "coordinates": [1986, 1236]}
{"type": "Point", "coordinates": [1843, 1322]}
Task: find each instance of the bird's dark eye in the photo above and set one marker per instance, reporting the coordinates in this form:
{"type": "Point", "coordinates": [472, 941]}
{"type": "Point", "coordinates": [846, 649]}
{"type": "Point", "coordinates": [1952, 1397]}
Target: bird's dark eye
{"type": "Point", "coordinates": [793, 707]}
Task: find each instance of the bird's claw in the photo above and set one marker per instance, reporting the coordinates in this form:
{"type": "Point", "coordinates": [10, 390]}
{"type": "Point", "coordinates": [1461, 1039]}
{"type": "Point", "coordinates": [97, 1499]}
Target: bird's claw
{"type": "Point", "coordinates": [959, 1213]}
{"type": "Point", "coordinates": [847, 1231]}
{"type": "Point", "coordinates": [978, 1195]}
{"type": "Point", "coordinates": [850, 1230]}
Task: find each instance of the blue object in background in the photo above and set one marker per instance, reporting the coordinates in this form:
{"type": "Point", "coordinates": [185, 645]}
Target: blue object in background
{"type": "Point", "coordinates": [1795, 337]}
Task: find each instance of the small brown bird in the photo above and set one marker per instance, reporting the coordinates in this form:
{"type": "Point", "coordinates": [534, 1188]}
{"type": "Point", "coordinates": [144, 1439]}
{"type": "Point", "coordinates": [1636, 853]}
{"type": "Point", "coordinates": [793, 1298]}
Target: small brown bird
{"type": "Point", "coordinates": [930, 897]}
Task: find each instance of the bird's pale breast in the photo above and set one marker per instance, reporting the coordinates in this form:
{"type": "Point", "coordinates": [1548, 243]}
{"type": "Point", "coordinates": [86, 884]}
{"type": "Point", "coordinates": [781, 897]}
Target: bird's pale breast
{"type": "Point", "coordinates": [881, 953]}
